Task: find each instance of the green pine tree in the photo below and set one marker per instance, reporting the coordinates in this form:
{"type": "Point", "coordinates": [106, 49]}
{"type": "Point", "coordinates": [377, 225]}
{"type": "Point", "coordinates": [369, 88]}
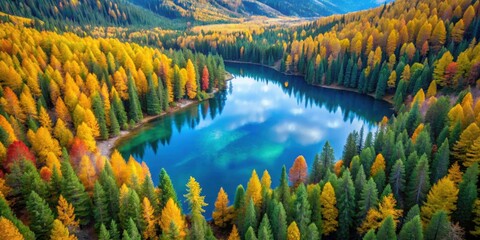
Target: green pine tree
{"type": "Point", "coordinates": [345, 194]}
{"type": "Point", "coordinates": [439, 226]}
{"type": "Point", "coordinates": [100, 213]}
{"type": "Point", "coordinates": [74, 192]}
{"type": "Point", "coordinates": [387, 229]}
{"type": "Point", "coordinates": [103, 234]}
{"type": "Point", "coordinates": [412, 230]}
{"type": "Point", "coordinates": [40, 215]}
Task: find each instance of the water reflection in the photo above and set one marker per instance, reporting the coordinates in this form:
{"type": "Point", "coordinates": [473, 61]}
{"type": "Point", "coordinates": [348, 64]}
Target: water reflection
{"type": "Point", "coordinates": [258, 122]}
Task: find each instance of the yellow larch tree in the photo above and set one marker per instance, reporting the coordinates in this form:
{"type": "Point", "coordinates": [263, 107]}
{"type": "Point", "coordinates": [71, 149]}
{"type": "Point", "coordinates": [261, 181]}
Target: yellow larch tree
{"type": "Point", "coordinates": [5, 124]}
{"type": "Point", "coordinates": [191, 84]}
{"type": "Point", "coordinates": [60, 232]}
{"type": "Point", "coordinates": [27, 102]}
{"type": "Point", "coordinates": [454, 173]}
{"type": "Point", "coordinates": [62, 111]}
{"type": "Point", "coordinates": [91, 121]}
{"type": "Point", "coordinates": [375, 217]}
{"type": "Point", "coordinates": [148, 219]}
{"type": "Point", "coordinates": [66, 214]}
{"type": "Point", "coordinates": [432, 89]}
{"type": "Point", "coordinates": [86, 173]}
{"type": "Point", "coordinates": [329, 210]}
{"type": "Point", "coordinates": [119, 167]}
{"type": "Point", "coordinates": [442, 196]}
{"type": "Point", "coordinates": [392, 80]}
{"type": "Point", "coordinates": [222, 214]}
{"type": "Point", "coordinates": [84, 132]}
{"type": "Point", "coordinates": [44, 119]}
{"type": "Point", "coordinates": [418, 98]}
{"type": "Point", "coordinates": [171, 213]}
{"type": "Point", "coordinates": [455, 115]}
{"type": "Point", "coordinates": [266, 181]}
{"type": "Point", "coordinates": [9, 231]}
{"type": "Point", "coordinates": [293, 233]}
{"type": "Point", "coordinates": [417, 131]}
{"type": "Point", "coordinates": [254, 189]}
{"type": "Point", "coordinates": [466, 140]}
{"type": "Point", "coordinates": [43, 143]}
{"type": "Point", "coordinates": [53, 162]}
{"type": "Point", "coordinates": [234, 235]}
{"type": "Point", "coordinates": [62, 133]}
{"type": "Point", "coordinates": [378, 164]}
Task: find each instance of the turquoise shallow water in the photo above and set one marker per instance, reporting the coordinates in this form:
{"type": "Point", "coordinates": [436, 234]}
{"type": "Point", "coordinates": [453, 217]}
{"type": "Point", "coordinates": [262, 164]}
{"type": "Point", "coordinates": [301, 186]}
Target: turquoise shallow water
{"type": "Point", "coordinates": [257, 123]}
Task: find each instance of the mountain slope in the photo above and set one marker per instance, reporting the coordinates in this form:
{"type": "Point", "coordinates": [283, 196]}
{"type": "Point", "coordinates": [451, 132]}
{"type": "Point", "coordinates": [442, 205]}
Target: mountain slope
{"type": "Point", "coordinates": [84, 12]}
{"type": "Point", "coordinates": [224, 10]}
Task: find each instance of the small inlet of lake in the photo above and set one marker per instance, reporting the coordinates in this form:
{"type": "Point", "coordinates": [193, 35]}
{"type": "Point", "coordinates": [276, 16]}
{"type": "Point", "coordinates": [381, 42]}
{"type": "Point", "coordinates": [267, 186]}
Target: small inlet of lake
{"type": "Point", "coordinates": [263, 120]}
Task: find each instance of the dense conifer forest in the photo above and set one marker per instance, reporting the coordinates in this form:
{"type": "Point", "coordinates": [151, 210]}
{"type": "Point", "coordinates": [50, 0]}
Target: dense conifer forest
{"type": "Point", "coordinates": [63, 90]}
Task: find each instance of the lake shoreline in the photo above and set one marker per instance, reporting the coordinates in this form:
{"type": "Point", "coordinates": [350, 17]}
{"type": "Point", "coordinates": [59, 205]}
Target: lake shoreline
{"type": "Point", "coordinates": [276, 67]}
{"type": "Point", "coordinates": [106, 147]}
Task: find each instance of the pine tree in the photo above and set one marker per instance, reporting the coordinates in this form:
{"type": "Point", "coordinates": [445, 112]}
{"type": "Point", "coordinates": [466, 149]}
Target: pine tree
{"type": "Point", "coordinates": [250, 219]}
{"type": "Point", "coordinates": [103, 234]}
{"type": "Point", "coordinates": [74, 192]}
{"type": "Point", "coordinates": [346, 204]}
{"type": "Point", "coordinates": [135, 108]}
{"type": "Point", "coordinates": [250, 234]}
{"type": "Point", "coordinates": [166, 190]}
{"type": "Point", "coordinates": [41, 217]}
{"type": "Point", "coordinates": [153, 101]}
{"type": "Point", "coordinates": [368, 199]}
{"type": "Point", "coordinates": [350, 149]}
{"type": "Point", "coordinates": [382, 83]}
{"type": "Point", "coordinates": [113, 230]}
{"type": "Point", "coordinates": [370, 235]}
{"type": "Point", "coordinates": [440, 162]}
{"type": "Point", "coordinates": [239, 205]}
{"type": "Point", "coordinates": [279, 222]}
{"type": "Point", "coordinates": [412, 230]}
{"type": "Point", "coordinates": [439, 226]}
{"type": "Point", "coordinates": [302, 209]}
{"type": "Point", "coordinates": [99, 111]}
{"type": "Point", "coordinates": [283, 189]}
{"type": "Point", "coordinates": [265, 230]}
{"type": "Point", "coordinates": [419, 183]}
{"type": "Point", "coordinates": [129, 207]}
{"type": "Point", "coordinates": [466, 197]}
{"type": "Point", "coordinates": [387, 229]}
{"type": "Point", "coordinates": [397, 180]}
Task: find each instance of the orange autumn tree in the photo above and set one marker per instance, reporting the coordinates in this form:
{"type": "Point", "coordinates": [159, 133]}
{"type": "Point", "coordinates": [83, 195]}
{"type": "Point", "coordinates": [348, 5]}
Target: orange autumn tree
{"type": "Point", "coordinates": [8, 230]}
{"type": "Point", "coordinates": [376, 216]}
{"type": "Point", "coordinates": [205, 78]}
{"type": "Point", "coordinates": [66, 214]}
{"type": "Point", "coordinates": [298, 171]}
{"type": "Point", "coordinates": [222, 214]}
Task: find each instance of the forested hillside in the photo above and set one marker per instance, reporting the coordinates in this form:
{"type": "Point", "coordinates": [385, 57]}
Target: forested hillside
{"type": "Point", "coordinates": [416, 177]}
{"type": "Point", "coordinates": [59, 13]}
